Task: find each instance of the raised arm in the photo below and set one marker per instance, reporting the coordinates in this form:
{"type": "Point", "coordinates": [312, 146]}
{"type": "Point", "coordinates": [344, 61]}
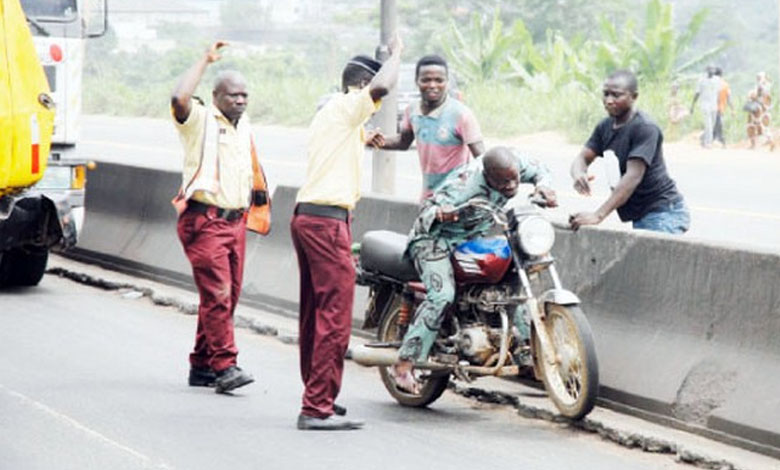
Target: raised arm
{"type": "Point", "coordinates": [387, 76]}
{"type": "Point", "coordinates": [181, 99]}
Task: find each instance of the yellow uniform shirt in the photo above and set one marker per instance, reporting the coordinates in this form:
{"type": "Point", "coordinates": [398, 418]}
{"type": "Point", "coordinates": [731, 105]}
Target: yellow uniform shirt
{"type": "Point", "coordinates": [335, 150]}
{"type": "Point", "coordinates": [233, 155]}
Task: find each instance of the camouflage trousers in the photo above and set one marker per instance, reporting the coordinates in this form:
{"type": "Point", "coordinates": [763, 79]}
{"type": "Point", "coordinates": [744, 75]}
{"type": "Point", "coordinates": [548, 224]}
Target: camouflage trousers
{"type": "Point", "coordinates": [432, 261]}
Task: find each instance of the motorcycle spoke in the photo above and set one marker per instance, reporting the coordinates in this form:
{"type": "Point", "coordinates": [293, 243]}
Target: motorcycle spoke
{"type": "Point", "coordinates": [567, 365]}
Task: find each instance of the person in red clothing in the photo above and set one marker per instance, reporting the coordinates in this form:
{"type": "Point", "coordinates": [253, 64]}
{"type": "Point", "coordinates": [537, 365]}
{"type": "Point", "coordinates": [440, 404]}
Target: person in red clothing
{"type": "Point", "coordinates": [321, 234]}
{"type": "Point", "coordinates": [217, 184]}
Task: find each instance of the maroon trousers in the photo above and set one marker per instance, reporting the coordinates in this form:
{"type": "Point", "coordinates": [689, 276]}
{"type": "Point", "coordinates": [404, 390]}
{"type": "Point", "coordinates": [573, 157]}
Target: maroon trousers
{"type": "Point", "coordinates": [327, 285]}
{"type": "Point", "coordinates": [215, 248]}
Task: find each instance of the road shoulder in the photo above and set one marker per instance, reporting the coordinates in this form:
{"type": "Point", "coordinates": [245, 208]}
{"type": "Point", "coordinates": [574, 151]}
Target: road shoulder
{"type": "Point", "coordinates": [622, 429]}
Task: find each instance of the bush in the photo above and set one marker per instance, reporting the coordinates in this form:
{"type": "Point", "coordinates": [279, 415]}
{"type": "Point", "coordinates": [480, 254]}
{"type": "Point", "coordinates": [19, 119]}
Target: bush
{"type": "Point", "coordinates": [505, 110]}
{"type": "Point", "coordinates": [140, 84]}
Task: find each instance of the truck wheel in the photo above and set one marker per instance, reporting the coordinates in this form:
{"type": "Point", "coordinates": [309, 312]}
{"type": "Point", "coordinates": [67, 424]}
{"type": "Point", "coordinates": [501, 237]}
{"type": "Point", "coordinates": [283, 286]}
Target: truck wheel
{"type": "Point", "coordinates": [22, 267]}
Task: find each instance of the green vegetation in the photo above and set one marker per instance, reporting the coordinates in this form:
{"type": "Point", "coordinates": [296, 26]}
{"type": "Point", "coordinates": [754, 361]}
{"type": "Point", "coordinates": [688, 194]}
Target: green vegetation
{"type": "Point", "coordinates": [554, 84]}
{"type": "Point", "coordinates": [518, 63]}
{"type": "Point", "coordinates": [140, 83]}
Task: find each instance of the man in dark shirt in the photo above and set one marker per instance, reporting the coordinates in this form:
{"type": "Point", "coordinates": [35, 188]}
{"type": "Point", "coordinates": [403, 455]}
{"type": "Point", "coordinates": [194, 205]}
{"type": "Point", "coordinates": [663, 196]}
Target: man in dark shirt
{"type": "Point", "coordinates": [645, 194]}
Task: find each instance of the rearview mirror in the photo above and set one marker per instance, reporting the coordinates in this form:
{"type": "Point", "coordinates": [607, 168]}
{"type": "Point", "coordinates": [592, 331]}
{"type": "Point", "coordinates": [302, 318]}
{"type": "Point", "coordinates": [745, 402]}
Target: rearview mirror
{"type": "Point", "coordinates": [95, 18]}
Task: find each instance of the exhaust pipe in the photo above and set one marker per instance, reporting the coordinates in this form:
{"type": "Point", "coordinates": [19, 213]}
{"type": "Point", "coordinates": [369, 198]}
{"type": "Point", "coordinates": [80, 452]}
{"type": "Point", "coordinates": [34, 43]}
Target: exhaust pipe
{"type": "Point", "coordinates": [370, 357]}
{"type": "Point", "coordinates": [386, 357]}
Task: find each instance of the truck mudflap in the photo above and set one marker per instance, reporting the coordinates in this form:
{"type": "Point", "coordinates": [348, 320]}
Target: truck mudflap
{"type": "Point", "coordinates": [36, 220]}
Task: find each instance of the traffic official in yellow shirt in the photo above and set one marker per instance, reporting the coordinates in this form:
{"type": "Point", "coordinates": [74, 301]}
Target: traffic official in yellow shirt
{"type": "Point", "coordinates": [321, 234]}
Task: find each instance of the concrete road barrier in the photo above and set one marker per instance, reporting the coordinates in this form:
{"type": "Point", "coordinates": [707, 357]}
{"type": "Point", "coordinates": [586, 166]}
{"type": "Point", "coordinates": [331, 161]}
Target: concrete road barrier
{"type": "Point", "coordinates": [683, 329]}
{"type": "Point", "coordinates": [131, 225]}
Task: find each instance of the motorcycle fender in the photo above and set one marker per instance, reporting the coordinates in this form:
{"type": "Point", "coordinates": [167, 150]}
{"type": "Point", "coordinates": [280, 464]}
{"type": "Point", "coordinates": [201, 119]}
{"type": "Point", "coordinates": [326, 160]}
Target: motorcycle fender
{"type": "Point", "coordinates": [560, 297]}
{"type": "Point", "coordinates": [382, 299]}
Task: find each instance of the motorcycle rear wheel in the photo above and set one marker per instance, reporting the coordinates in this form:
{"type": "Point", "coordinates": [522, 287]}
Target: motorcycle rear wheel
{"type": "Point", "coordinates": [572, 382]}
{"type": "Point", "coordinates": [433, 383]}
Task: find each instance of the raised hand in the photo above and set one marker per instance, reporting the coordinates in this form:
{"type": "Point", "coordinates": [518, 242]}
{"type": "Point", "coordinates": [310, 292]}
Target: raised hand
{"type": "Point", "coordinates": [212, 54]}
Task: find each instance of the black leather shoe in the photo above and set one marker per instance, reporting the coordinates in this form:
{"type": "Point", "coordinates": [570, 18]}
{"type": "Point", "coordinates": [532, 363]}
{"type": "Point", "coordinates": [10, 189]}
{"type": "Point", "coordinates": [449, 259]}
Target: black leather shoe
{"type": "Point", "coordinates": [202, 377]}
{"type": "Point", "coordinates": [232, 378]}
{"type": "Point", "coordinates": [339, 410]}
{"type": "Point", "coordinates": [331, 423]}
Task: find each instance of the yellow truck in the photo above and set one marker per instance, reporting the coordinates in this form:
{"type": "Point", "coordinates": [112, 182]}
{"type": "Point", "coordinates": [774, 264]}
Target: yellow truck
{"type": "Point", "coordinates": [42, 178]}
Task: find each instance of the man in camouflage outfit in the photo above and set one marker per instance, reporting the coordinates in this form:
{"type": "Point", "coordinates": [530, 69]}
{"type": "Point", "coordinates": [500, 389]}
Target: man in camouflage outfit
{"type": "Point", "coordinates": [439, 228]}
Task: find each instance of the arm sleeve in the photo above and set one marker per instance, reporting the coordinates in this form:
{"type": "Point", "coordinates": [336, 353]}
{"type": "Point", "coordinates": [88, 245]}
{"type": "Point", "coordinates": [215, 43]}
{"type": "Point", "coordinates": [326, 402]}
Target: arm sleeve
{"type": "Point", "coordinates": [358, 107]}
{"type": "Point", "coordinates": [468, 128]}
{"type": "Point", "coordinates": [406, 120]}
{"type": "Point", "coordinates": [533, 171]}
{"type": "Point", "coordinates": [644, 143]}
{"type": "Point", "coordinates": [191, 131]}
{"type": "Point", "coordinates": [596, 141]}
{"type": "Point", "coordinates": [453, 191]}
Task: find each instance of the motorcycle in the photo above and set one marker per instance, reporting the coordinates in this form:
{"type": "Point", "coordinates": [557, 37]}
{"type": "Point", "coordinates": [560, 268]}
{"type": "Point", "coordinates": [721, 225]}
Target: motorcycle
{"type": "Point", "coordinates": [480, 336]}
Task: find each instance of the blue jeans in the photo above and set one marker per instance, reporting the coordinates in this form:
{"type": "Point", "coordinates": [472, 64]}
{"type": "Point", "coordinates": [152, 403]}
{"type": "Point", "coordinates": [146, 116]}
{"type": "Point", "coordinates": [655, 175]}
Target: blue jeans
{"type": "Point", "coordinates": [674, 218]}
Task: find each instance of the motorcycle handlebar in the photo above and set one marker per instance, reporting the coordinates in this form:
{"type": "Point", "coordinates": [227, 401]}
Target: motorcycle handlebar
{"type": "Point", "coordinates": [497, 212]}
{"type": "Point", "coordinates": [479, 203]}
{"type": "Point", "coordinates": [537, 200]}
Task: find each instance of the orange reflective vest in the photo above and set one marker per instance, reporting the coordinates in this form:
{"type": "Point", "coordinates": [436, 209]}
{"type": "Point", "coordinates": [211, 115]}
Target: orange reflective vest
{"type": "Point", "coordinates": [259, 214]}
{"type": "Point", "coordinates": [258, 217]}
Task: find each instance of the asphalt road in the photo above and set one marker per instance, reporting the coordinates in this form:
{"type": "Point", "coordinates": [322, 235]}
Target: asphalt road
{"type": "Point", "coordinates": [733, 194]}
{"type": "Point", "coordinates": [91, 379]}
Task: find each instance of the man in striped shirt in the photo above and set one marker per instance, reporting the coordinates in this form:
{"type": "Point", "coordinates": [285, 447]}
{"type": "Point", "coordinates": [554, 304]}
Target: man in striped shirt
{"type": "Point", "coordinates": [447, 133]}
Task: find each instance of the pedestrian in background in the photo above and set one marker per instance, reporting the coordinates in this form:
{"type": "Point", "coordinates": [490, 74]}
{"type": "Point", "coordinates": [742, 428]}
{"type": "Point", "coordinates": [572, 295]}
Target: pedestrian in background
{"type": "Point", "coordinates": [446, 130]}
{"type": "Point", "coordinates": [321, 234]}
{"type": "Point", "coordinates": [758, 108]}
{"type": "Point", "coordinates": [218, 181]}
{"type": "Point", "coordinates": [677, 111]}
{"type": "Point", "coordinates": [645, 194]}
{"type": "Point", "coordinates": [707, 95]}
{"type": "Point", "coordinates": [724, 100]}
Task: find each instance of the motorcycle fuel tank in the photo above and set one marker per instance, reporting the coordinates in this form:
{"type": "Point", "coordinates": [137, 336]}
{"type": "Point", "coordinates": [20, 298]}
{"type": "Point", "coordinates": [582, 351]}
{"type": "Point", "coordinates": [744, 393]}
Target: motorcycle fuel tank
{"type": "Point", "coordinates": [483, 260]}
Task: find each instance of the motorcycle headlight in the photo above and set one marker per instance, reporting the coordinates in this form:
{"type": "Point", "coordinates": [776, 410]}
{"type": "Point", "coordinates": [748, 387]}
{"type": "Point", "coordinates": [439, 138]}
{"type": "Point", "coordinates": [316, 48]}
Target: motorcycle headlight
{"type": "Point", "coordinates": [537, 235]}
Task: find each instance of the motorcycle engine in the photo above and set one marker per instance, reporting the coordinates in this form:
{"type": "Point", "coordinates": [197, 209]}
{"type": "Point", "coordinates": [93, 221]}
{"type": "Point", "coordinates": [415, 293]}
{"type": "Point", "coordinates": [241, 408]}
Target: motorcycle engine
{"type": "Point", "coordinates": [475, 344]}
{"type": "Point", "coordinates": [480, 323]}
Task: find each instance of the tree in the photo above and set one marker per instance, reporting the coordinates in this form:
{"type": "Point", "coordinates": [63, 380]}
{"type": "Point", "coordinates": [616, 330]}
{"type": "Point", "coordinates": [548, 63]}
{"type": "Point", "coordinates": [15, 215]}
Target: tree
{"type": "Point", "coordinates": [541, 16]}
{"type": "Point", "coordinates": [480, 51]}
{"type": "Point", "coordinates": [656, 55]}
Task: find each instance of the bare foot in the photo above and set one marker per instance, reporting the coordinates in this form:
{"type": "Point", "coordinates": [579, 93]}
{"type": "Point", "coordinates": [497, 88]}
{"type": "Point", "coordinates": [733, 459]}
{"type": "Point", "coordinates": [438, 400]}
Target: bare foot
{"type": "Point", "coordinates": [403, 377]}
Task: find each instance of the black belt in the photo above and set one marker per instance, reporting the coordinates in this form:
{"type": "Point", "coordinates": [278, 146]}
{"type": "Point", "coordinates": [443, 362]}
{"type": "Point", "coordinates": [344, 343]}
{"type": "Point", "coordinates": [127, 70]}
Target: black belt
{"type": "Point", "coordinates": [319, 210]}
{"type": "Point", "coordinates": [227, 214]}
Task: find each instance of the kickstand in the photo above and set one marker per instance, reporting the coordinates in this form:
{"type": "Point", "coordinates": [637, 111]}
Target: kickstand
{"type": "Point", "coordinates": [461, 374]}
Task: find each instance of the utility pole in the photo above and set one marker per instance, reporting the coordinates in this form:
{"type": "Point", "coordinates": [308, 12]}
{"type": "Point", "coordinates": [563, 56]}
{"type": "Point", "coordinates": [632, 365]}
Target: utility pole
{"type": "Point", "coordinates": [383, 175]}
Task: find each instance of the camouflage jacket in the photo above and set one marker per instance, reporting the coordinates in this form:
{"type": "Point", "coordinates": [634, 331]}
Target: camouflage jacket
{"type": "Point", "coordinates": [465, 184]}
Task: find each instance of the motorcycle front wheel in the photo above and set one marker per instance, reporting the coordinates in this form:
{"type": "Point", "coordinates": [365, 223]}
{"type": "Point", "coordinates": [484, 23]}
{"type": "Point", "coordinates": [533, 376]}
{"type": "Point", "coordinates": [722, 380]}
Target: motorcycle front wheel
{"type": "Point", "coordinates": [572, 381]}
{"type": "Point", "coordinates": [433, 384]}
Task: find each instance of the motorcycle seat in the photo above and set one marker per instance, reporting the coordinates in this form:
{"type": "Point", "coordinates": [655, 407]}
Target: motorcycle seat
{"type": "Point", "coordinates": [382, 251]}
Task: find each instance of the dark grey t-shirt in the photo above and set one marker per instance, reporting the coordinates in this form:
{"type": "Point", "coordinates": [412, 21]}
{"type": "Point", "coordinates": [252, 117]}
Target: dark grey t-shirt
{"type": "Point", "coordinates": [640, 138]}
